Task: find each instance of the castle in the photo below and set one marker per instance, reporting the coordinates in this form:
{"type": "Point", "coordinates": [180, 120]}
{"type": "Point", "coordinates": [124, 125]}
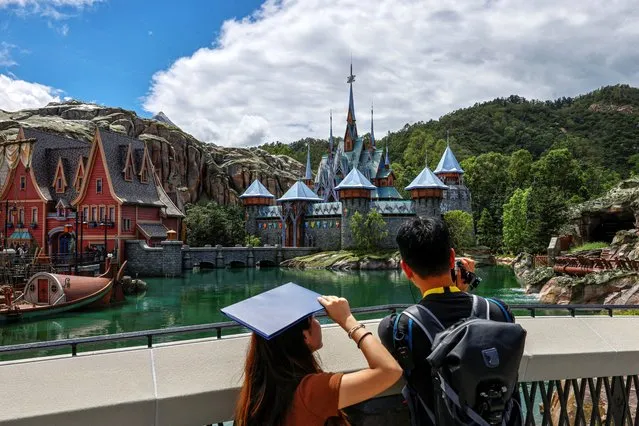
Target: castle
{"type": "Point", "coordinates": [354, 176]}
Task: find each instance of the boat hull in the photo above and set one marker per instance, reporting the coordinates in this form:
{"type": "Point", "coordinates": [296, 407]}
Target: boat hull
{"type": "Point", "coordinates": [27, 312]}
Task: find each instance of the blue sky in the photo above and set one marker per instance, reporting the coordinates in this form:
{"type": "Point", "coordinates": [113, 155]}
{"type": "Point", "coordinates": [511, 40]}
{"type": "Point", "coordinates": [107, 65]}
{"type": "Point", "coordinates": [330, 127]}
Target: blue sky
{"type": "Point", "coordinates": [109, 52]}
{"type": "Point", "coordinates": [244, 72]}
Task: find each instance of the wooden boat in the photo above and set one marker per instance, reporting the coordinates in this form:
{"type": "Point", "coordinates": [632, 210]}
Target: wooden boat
{"type": "Point", "coordinates": [50, 294]}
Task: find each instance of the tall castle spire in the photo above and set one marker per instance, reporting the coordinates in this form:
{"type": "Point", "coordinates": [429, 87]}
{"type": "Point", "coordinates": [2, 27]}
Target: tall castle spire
{"type": "Point", "coordinates": [387, 159]}
{"type": "Point", "coordinates": [372, 133]}
{"type": "Point", "coordinates": [351, 127]}
{"type": "Point", "coordinates": [330, 138]}
{"type": "Point", "coordinates": [309, 172]}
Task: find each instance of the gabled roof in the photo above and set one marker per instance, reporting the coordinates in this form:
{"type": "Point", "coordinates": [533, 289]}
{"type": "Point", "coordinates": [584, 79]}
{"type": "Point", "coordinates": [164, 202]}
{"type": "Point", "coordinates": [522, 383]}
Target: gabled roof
{"type": "Point", "coordinates": [256, 189]}
{"type": "Point", "coordinates": [426, 180]}
{"type": "Point", "coordinates": [448, 163]}
{"type": "Point", "coordinates": [133, 192]}
{"type": "Point", "coordinates": [46, 151]}
{"type": "Point", "coordinates": [299, 192]}
{"type": "Point", "coordinates": [355, 180]}
{"type": "Point", "coordinates": [171, 209]}
{"type": "Point", "coordinates": [59, 174]}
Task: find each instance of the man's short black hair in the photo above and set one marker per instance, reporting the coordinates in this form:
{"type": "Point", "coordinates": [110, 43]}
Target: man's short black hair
{"type": "Point", "coordinates": [424, 244]}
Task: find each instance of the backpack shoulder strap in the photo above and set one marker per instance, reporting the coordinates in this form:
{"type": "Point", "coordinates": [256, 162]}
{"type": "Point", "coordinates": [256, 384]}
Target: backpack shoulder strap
{"type": "Point", "coordinates": [425, 320]}
{"type": "Point", "coordinates": [481, 308]}
{"type": "Point", "coordinates": [507, 315]}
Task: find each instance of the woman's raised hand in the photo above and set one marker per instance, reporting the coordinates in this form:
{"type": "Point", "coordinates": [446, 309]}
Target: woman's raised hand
{"type": "Point", "coordinates": [337, 309]}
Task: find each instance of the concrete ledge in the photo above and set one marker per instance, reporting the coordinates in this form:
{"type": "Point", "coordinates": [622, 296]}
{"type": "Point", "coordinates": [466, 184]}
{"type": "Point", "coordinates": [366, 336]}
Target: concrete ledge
{"type": "Point", "coordinates": [196, 382]}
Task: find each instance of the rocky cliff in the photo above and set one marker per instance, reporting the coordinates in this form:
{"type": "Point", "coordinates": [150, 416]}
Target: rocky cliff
{"type": "Point", "coordinates": [189, 169]}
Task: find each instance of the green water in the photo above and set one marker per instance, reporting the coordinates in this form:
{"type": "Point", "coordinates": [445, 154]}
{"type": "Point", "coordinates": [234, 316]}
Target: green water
{"type": "Point", "coordinates": [196, 298]}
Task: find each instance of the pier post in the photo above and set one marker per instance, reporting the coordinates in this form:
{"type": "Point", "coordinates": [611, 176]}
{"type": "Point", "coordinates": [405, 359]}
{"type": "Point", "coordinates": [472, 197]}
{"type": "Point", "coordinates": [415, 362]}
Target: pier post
{"type": "Point", "coordinates": [250, 257]}
{"type": "Point", "coordinates": [219, 257]}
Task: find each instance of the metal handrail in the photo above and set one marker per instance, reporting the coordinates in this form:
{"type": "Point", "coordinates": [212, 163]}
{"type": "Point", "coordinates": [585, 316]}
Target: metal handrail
{"type": "Point", "coordinates": [219, 326]}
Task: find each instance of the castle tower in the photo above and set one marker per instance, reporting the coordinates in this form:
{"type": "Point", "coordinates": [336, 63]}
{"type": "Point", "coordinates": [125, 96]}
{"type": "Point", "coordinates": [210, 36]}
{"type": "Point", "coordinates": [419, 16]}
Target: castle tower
{"type": "Point", "coordinates": [355, 196]}
{"type": "Point", "coordinates": [308, 176]}
{"type": "Point", "coordinates": [351, 126]}
{"type": "Point", "coordinates": [255, 196]}
{"type": "Point", "coordinates": [457, 196]}
{"type": "Point", "coordinates": [294, 205]}
{"type": "Point", "coordinates": [427, 192]}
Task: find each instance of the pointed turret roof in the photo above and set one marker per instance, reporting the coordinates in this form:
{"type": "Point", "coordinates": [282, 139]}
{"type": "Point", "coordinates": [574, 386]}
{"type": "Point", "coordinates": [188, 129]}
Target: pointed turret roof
{"type": "Point", "coordinates": [299, 192]}
{"type": "Point", "coordinates": [355, 180]}
{"type": "Point", "coordinates": [330, 138]}
{"type": "Point", "coordinates": [256, 189]}
{"type": "Point", "coordinates": [387, 158]}
{"type": "Point", "coordinates": [372, 133]}
{"type": "Point", "coordinates": [448, 163]}
{"type": "Point", "coordinates": [426, 180]}
{"type": "Point", "coordinates": [309, 172]}
{"type": "Point", "coordinates": [351, 126]}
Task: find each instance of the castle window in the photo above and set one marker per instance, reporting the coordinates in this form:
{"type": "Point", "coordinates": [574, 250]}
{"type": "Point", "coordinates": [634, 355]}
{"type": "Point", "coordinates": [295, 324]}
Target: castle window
{"type": "Point", "coordinates": [102, 213]}
{"type": "Point", "coordinates": [34, 215]}
{"type": "Point", "coordinates": [58, 185]}
{"type": "Point", "coordinates": [85, 213]}
{"type": "Point", "coordinates": [23, 183]}
{"type": "Point", "coordinates": [94, 213]}
{"type": "Point", "coordinates": [126, 224]}
{"type": "Point", "coordinates": [21, 216]}
{"type": "Point", "coordinates": [112, 214]}
{"type": "Point", "coordinates": [98, 186]}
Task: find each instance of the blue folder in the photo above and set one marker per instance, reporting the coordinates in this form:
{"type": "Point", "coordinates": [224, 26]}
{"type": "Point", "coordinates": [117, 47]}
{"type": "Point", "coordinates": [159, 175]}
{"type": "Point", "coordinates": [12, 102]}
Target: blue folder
{"type": "Point", "coordinates": [272, 312]}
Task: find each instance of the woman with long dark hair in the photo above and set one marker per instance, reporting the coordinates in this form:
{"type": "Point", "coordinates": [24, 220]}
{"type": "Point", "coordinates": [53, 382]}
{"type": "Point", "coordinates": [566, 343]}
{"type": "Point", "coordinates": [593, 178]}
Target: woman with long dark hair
{"type": "Point", "coordinates": [284, 384]}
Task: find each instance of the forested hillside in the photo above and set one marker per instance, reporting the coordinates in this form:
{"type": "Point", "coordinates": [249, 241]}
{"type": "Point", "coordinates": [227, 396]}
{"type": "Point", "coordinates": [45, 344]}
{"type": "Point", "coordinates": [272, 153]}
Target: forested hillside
{"type": "Point", "coordinates": [555, 152]}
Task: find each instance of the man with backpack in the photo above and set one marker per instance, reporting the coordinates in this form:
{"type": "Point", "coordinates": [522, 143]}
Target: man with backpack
{"type": "Point", "coordinates": [460, 352]}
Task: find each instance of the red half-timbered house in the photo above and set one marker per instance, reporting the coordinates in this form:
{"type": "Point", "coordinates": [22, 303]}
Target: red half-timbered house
{"type": "Point", "coordinates": [109, 183]}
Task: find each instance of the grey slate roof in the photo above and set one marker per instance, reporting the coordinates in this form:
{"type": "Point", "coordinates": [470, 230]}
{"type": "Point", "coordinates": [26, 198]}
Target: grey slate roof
{"type": "Point", "coordinates": [448, 163]}
{"type": "Point", "coordinates": [324, 209]}
{"type": "Point", "coordinates": [256, 189]}
{"type": "Point", "coordinates": [134, 192]}
{"type": "Point", "coordinates": [426, 180]}
{"type": "Point", "coordinates": [47, 149]}
{"type": "Point", "coordinates": [397, 207]}
{"type": "Point", "coordinates": [152, 230]}
{"type": "Point", "coordinates": [299, 192]}
{"type": "Point", "coordinates": [355, 180]}
{"type": "Point", "coordinates": [171, 209]}
{"type": "Point", "coordinates": [386, 193]}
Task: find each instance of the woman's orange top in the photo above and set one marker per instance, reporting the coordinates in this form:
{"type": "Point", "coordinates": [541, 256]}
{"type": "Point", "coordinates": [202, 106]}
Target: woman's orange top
{"type": "Point", "coordinates": [315, 400]}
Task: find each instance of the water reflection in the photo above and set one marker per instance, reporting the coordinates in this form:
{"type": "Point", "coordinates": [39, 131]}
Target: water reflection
{"type": "Point", "coordinates": [196, 298]}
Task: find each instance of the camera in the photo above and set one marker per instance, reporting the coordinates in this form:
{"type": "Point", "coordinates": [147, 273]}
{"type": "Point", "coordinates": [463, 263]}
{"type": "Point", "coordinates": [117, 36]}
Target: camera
{"type": "Point", "coordinates": [467, 277]}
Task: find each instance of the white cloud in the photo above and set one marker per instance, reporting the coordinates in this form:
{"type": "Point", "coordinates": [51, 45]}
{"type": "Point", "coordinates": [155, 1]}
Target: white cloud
{"type": "Point", "coordinates": [54, 9]}
{"type": "Point", "coordinates": [6, 59]}
{"type": "Point", "coordinates": [18, 94]}
{"type": "Point", "coordinates": [276, 74]}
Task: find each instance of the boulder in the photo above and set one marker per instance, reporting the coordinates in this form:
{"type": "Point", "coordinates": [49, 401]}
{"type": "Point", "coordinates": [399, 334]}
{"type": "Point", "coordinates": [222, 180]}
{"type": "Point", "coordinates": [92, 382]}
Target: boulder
{"type": "Point", "coordinates": [607, 287]}
{"type": "Point", "coordinates": [530, 278]}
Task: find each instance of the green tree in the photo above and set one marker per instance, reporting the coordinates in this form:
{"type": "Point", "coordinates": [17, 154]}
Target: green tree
{"type": "Point", "coordinates": [211, 223]}
{"type": "Point", "coordinates": [488, 232]}
{"type": "Point", "coordinates": [559, 171]}
{"type": "Point", "coordinates": [252, 240]}
{"type": "Point", "coordinates": [460, 224]}
{"type": "Point", "coordinates": [368, 231]}
{"type": "Point", "coordinates": [546, 215]}
{"type": "Point", "coordinates": [519, 167]}
{"type": "Point", "coordinates": [515, 221]}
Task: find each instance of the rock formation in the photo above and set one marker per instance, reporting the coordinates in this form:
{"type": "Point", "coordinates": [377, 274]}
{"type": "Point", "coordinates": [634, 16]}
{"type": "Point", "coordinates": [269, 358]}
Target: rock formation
{"type": "Point", "coordinates": [190, 170]}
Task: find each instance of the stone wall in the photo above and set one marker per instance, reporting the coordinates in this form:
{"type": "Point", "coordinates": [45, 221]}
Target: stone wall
{"type": "Point", "coordinates": [144, 260]}
{"type": "Point", "coordinates": [393, 223]}
{"type": "Point", "coordinates": [456, 197]}
{"type": "Point", "coordinates": [328, 238]}
{"type": "Point", "coordinates": [272, 234]}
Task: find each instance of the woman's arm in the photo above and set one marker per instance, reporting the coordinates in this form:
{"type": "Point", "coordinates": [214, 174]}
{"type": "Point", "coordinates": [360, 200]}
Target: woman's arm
{"type": "Point", "coordinates": [382, 372]}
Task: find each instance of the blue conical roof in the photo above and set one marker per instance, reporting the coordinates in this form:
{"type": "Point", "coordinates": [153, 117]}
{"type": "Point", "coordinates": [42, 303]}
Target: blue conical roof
{"type": "Point", "coordinates": [256, 189]}
{"type": "Point", "coordinates": [426, 180]}
{"type": "Point", "coordinates": [299, 192]}
{"type": "Point", "coordinates": [355, 180]}
{"type": "Point", "coordinates": [448, 163]}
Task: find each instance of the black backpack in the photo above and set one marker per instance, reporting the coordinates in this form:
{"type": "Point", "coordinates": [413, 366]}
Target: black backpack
{"type": "Point", "coordinates": [474, 365]}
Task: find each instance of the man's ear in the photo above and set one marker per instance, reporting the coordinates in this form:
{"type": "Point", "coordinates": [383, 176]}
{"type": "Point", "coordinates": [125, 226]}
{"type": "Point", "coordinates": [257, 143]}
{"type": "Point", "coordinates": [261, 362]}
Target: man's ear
{"type": "Point", "coordinates": [409, 272]}
{"type": "Point", "coordinates": [451, 260]}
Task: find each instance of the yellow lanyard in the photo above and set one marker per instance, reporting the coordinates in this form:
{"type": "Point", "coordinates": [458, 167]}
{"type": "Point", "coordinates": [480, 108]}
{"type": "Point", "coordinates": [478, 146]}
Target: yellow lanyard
{"type": "Point", "coordinates": [440, 290]}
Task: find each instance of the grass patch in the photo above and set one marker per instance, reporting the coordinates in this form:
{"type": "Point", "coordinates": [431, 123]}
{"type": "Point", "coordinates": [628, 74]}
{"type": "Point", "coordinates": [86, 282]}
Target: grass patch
{"type": "Point", "coordinates": [595, 245]}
